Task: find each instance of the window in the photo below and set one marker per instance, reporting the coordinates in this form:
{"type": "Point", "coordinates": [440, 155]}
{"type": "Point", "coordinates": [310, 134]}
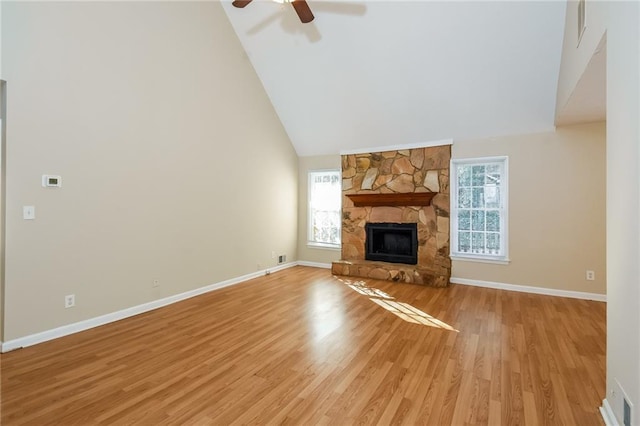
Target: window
{"type": "Point", "coordinates": [479, 209]}
{"type": "Point", "coordinates": [325, 195]}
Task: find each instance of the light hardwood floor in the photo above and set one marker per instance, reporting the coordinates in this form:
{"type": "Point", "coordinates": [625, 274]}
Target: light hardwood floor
{"type": "Point", "coordinates": [303, 347]}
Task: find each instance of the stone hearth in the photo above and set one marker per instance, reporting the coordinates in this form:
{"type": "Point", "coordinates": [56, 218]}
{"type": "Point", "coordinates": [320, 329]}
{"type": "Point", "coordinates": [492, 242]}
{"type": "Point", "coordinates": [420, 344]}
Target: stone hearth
{"type": "Point", "coordinates": [419, 170]}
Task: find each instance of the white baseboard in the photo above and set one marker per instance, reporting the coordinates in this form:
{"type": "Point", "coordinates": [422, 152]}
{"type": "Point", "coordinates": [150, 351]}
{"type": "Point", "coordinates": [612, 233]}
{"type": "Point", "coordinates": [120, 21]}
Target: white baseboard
{"type": "Point", "coordinates": [274, 269]}
{"type": "Point", "coordinates": [530, 289]}
{"type": "Point", "coordinates": [314, 264]}
{"type": "Point", "coordinates": [66, 330]}
{"type": "Point", "coordinates": [607, 414]}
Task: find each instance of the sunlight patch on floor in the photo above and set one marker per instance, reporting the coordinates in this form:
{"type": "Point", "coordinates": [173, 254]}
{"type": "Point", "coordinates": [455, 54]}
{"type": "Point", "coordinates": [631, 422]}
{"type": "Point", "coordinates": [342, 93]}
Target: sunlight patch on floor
{"type": "Point", "coordinates": [370, 292]}
{"type": "Point", "coordinates": [401, 309]}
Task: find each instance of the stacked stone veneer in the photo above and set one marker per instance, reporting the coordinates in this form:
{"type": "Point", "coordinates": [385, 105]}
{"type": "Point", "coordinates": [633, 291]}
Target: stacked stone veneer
{"type": "Point", "coordinates": [405, 171]}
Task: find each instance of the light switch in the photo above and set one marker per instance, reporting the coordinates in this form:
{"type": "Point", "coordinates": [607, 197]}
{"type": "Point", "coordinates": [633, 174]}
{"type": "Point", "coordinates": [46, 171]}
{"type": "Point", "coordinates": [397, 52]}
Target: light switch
{"type": "Point", "coordinates": [28, 212]}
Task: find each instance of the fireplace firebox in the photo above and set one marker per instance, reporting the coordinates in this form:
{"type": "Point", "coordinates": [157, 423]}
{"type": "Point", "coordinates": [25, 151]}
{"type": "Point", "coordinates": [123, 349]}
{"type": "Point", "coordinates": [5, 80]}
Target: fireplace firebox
{"type": "Point", "coordinates": [392, 242]}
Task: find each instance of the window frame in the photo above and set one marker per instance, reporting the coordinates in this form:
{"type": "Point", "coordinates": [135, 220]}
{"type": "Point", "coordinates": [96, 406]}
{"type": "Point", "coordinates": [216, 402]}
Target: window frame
{"type": "Point", "coordinates": [503, 257]}
{"type": "Point", "coordinates": [310, 242]}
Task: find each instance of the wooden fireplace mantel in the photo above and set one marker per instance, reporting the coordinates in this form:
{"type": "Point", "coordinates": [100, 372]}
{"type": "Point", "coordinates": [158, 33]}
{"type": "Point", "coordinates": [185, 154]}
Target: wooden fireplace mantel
{"type": "Point", "coordinates": [403, 199]}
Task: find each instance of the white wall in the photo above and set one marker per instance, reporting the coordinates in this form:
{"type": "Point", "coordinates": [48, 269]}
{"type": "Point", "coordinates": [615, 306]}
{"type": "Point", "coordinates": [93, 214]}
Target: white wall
{"type": "Point", "coordinates": [174, 164]}
{"type": "Point", "coordinates": [2, 209]}
{"type": "Point", "coordinates": [621, 22]}
{"type": "Point", "coordinates": [556, 209]}
{"type": "Point", "coordinates": [575, 57]}
{"type": "Point", "coordinates": [623, 206]}
{"type": "Point", "coordinates": [2, 201]}
{"type": "Point", "coordinates": [305, 165]}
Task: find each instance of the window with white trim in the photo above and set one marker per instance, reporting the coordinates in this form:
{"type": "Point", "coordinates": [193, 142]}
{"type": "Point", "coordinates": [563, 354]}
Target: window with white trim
{"type": "Point", "coordinates": [325, 200]}
{"type": "Point", "coordinates": [479, 190]}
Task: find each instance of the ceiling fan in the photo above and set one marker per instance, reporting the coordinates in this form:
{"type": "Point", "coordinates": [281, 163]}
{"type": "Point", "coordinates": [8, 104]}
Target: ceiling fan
{"type": "Point", "coordinates": [301, 7]}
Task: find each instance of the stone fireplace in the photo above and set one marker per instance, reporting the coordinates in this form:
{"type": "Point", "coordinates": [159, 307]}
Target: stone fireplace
{"type": "Point", "coordinates": [397, 187]}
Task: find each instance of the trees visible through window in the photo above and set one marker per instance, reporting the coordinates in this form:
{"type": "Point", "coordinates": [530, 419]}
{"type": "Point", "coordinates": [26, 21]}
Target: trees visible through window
{"type": "Point", "coordinates": [325, 193]}
{"type": "Point", "coordinates": [479, 208]}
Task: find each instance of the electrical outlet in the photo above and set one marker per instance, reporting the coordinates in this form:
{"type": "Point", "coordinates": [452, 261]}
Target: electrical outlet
{"type": "Point", "coordinates": [70, 301]}
{"type": "Point", "coordinates": [156, 283]}
{"type": "Point", "coordinates": [282, 258]}
{"type": "Point", "coordinates": [591, 276]}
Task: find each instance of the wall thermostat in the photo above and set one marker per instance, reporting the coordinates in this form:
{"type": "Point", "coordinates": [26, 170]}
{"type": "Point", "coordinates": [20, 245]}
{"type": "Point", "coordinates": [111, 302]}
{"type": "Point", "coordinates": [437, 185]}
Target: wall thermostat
{"type": "Point", "coordinates": [51, 181]}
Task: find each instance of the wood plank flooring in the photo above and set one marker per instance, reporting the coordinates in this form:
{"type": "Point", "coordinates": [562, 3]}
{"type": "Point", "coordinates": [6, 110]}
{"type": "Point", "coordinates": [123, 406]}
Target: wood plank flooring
{"type": "Point", "coordinates": [302, 347]}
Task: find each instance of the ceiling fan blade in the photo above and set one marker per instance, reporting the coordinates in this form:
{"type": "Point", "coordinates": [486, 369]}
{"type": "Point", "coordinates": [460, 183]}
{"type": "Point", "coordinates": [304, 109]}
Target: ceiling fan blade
{"type": "Point", "coordinates": [303, 10]}
{"type": "Point", "coordinates": [240, 3]}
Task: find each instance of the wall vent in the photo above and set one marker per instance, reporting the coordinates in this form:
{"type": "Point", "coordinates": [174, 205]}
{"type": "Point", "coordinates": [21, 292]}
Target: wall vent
{"type": "Point", "coordinates": [626, 417]}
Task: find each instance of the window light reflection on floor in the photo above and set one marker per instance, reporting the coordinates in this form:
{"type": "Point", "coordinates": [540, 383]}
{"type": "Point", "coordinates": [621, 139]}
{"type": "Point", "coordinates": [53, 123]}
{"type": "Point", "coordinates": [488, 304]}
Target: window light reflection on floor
{"type": "Point", "coordinates": [370, 292]}
{"type": "Point", "coordinates": [401, 309]}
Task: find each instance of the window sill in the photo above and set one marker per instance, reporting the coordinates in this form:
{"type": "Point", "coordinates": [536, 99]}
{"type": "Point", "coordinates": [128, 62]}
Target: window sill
{"type": "Point", "coordinates": [480, 259]}
{"type": "Point", "coordinates": [325, 246]}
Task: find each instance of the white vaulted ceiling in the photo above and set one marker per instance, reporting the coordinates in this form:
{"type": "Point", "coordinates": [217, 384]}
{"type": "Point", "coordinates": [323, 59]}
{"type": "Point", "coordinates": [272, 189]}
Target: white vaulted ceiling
{"type": "Point", "coordinates": [380, 73]}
